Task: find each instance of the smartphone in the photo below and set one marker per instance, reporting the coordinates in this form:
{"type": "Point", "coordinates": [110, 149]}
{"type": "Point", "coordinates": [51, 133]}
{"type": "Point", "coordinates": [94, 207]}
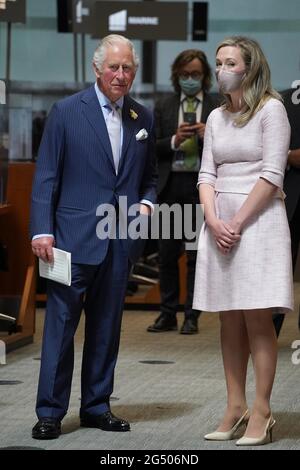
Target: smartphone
{"type": "Point", "coordinates": [190, 118]}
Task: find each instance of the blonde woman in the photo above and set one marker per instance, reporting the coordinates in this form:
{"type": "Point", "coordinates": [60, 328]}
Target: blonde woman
{"type": "Point", "coordinates": [244, 262]}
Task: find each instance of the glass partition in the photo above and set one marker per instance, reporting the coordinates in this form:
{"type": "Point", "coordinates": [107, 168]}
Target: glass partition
{"type": "Point", "coordinates": [20, 134]}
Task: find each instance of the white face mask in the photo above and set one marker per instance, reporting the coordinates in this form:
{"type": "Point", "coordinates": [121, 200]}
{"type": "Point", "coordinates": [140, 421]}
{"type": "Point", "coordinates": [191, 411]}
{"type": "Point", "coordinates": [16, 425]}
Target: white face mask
{"type": "Point", "coordinates": [229, 81]}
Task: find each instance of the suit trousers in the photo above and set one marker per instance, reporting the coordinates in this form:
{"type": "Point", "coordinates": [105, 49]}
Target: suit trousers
{"type": "Point", "coordinates": [180, 189]}
{"type": "Point", "coordinates": [100, 291]}
{"type": "Point", "coordinates": [295, 234]}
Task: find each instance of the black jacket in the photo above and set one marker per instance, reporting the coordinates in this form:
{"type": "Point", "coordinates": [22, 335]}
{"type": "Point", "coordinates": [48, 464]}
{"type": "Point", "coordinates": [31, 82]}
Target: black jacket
{"type": "Point", "coordinates": [166, 121]}
{"type": "Point", "coordinates": [292, 177]}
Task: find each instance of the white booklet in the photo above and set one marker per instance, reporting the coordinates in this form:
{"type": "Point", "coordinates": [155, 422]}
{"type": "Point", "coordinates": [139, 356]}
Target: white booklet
{"type": "Point", "coordinates": [60, 269]}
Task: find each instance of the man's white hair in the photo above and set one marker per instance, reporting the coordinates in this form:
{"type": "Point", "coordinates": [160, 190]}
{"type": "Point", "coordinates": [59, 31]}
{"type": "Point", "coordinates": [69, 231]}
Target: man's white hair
{"type": "Point", "coordinates": [111, 40]}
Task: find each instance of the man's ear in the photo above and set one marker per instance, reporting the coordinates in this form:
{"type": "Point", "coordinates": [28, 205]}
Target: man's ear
{"type": "Point", "coordinates": [96, 70]}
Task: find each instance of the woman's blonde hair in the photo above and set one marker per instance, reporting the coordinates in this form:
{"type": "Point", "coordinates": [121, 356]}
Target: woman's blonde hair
{"type": "Point", "coordinates": [256, 85]}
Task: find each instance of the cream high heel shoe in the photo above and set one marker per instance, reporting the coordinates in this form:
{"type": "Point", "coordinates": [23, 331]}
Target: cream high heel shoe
{"type": "Point", "coordinates": [228, 435]}
{"type": "Point", "coordinates": [263, 439]}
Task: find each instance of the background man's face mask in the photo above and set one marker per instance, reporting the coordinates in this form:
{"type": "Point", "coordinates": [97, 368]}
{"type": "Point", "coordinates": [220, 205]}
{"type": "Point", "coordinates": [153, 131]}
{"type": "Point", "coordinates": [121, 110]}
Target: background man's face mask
{"type": "Point", "coordinates": [190, 86]}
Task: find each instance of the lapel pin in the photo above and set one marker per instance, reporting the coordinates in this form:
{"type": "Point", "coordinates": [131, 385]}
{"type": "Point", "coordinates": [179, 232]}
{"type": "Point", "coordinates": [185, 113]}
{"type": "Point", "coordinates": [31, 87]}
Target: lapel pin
{"type": "Point", "coordinates": [133, 114]}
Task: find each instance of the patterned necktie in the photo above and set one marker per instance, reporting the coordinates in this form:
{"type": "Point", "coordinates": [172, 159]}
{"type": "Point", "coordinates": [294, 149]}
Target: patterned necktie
{"type": "Point", "coordinates": [190, 145]}
{"type": "Point", "coordinates": [113, 124]}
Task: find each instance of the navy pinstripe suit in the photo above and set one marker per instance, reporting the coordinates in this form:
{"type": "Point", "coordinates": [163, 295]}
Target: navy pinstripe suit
{"type": "Point", "coordinates": [75, 174]}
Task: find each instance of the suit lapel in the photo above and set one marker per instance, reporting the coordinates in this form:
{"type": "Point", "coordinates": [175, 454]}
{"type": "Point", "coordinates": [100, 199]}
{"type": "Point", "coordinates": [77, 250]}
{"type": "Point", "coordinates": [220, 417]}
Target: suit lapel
{"type": "Point", "coordinates": [174, 112]}
{"type": "Point", "coordinates": [129, 125]}
{"type": "Point", "coordinates": [95, 117]}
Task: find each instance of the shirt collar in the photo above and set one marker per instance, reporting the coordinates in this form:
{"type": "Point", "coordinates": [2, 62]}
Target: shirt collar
{"type": "Point", "coordinates": [184, 97]}
{"type": "Point", "coordinates": [104, 101]}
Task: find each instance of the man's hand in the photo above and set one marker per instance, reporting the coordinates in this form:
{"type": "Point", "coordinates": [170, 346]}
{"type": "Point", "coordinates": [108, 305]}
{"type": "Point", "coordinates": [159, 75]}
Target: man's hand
{"type": "Point", "coordinates": [183, 132]}
{"type": "Point", "coordinates": [145, 210]}
{"type": "Point", "coordinates": [199, 129]}
{"type": "Point", "coordinates": [42, 248]}
{"type": "Point", "coordinates": [294, 158]}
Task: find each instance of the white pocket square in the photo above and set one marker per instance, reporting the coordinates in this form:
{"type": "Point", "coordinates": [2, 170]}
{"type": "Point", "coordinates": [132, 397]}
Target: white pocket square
{"type": "Point", "coordinates": [141, 135]}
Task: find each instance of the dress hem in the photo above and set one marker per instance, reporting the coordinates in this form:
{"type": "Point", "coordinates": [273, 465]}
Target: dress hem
{"type": "Point", "coordinates": [277, 309]}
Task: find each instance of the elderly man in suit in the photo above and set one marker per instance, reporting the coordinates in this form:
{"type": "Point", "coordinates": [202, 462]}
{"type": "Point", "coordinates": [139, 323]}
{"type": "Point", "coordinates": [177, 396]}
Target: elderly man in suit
{"type": "Point", "coordinates": [180, 125]}
{"type": "Point", "coordinates": [98, 145]}
{"type": "Point", "coordinates": [291, 184]}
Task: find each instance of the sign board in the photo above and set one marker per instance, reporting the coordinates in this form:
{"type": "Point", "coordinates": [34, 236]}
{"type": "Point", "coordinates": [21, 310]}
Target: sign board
{"type": "Point", "coordinates": [135, 20]}
{"type": "Point", "coordinates": [13, 11]}
{"type": "Point", "coordinates": [82, 16]}
{"type": "Point", "coordinates": [141, 20]}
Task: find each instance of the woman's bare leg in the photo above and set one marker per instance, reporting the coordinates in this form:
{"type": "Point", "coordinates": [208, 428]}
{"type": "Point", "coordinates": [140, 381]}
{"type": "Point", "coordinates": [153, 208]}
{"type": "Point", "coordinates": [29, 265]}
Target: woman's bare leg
{"type": "Point", "coordinates": [235, 352]}
{"type": "Point", "coordinates": [263, 346]}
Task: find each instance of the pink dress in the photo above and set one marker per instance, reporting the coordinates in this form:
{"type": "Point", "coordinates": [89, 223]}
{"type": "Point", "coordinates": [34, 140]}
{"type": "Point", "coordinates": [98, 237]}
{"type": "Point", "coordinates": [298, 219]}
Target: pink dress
{"type": "Point", "coordinates": [257, 273]}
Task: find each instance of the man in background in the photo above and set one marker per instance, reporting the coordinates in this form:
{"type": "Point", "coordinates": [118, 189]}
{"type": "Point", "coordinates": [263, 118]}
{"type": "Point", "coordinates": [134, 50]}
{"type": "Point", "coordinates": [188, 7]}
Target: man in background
{"type": "Point", "coordinates": [291, 184]}
{"type": "Point", "coordinates": [180, 125]}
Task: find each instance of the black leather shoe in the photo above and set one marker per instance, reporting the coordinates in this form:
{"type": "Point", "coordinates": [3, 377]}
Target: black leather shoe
{"type": "Point", "coordinates": [163, 323]}
{"type": "Point", "coordinates": [46, 428]}
{"type": "Point", "coordinates": [189, 327]}
{"type": "Point", "coordinates": [106, 421]}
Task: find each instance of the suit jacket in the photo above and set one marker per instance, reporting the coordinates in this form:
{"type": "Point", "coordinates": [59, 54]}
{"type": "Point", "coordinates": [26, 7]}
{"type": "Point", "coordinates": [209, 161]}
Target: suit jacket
{"type": "Point", "coordinates": [75, 172]}
{"type": "Point", "coordinates": [292, 177]}
{"type": "Point", "coordinates": [166, 122]}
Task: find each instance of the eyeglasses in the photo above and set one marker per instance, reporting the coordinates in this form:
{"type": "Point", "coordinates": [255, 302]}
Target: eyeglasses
{"type": "Point", "coordinates": [186, 75]}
